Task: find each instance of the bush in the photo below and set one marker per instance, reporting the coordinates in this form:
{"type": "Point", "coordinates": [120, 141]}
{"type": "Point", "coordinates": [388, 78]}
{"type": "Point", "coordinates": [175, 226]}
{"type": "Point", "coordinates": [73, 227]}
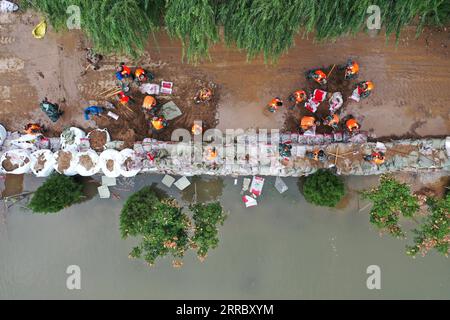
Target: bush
{"type": "Point", "coordinates": [57, 193]}
{"type": "Point", "coordinates": [391, 199]}
{"type": "Point", "coordinates": [323, 188]}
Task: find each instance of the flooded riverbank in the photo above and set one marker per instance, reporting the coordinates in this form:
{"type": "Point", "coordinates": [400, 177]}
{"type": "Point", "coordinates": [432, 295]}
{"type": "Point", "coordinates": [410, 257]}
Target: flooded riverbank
{"type": "Point", "coordinates": [283, 249]}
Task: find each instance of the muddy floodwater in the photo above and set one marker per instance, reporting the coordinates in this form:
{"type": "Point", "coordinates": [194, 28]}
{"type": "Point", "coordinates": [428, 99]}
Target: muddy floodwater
{"type": "Point", "coordinates": [283, 249]}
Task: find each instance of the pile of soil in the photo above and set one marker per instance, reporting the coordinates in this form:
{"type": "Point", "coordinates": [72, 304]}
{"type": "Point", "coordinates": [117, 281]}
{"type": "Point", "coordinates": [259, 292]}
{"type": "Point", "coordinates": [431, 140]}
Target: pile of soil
{"type": "Point", "coordinates": [8, 166]}
{"type": "Point", "coordinates": [336, 83]}
{"type": "Point", "coordinates": [98, 140]}
{"type": "Point", "coordinates": [40, 164]}
{"type": "Point", "coordinates": [64, 159]}
{"type": "Point", "coordinates": [110, 165]}
{"type": "Point", "coordinates": [86, 162]}
{"type": "Point", "coordinates": [128, 164]}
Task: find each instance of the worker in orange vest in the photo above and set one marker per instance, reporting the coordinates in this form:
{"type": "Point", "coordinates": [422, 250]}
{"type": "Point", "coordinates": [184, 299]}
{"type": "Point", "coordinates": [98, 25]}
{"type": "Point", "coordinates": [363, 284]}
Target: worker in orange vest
{"type": "Point", "coordinates": [351, 70]}
{"type": "Point", "coordinates": [352, 125]}
{"type": "Point", "coordinates": [149, 104]}
{"type": "Point", "coordinates": [197, 129]}
{"type": "Point", "coordinates": [308, 122]}
{"type": "Point", "coordinates": [377, 158]}
{"type": "Point", "coordinates": [332, 121]}
{"type": "Point", "coordinates": [212, 154]}
{"type": "Point", "coordinates": [159, 123]}
{"type": "Point", "coordinates": [123, 98]}
{"type": "Point", "coordinates": [317, 75]}
{"type": "Point", "coordinates": [123, 72]}
{"type": "Point", "coordinates": [33, 129]}
{"type": "Point", "coordinates": [275, 104]}
{"type": "Point", "coordinates": [365, 88]}
{"type": "Point", "coordinates": [203, 95]}
{"type": "Point", "coordinates": [298, 97]}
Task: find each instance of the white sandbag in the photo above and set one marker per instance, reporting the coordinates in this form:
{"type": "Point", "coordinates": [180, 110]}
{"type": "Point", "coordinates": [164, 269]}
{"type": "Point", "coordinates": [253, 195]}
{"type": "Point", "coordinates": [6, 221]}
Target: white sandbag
{"type": "Point", "coordinates": [71, 139]}
{"type": "Point", "coordinates": [3, 134]}
{"type": "Point", "coordinates": [83, 168]}
{"type": "Point", "coordinates": [111, 157]}
{"type": "Point", "coordinates": [336, 102]}
{"type": "Point", "coordinates": [27, 142]}
{"type": "Point", "coordinates": [17, 158]}
{"type": "Point", "coordinates": [72, 169]}
{"type": "Point", "coordinates": [8, 6]}
{"type": "Point", "coordinates": [105, 131]}
{"type": "Point", "coordinates": [39, 168]}
{"type": "Point", "coordinates": [355, 95]}
{"type": "Point", "coordinates": [130, 170]}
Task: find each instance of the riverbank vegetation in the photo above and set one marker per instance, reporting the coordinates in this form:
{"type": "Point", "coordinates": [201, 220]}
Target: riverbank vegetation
{"type": "Point", "coordinates": [57, 193]}
{"type": "Point", "coordinates": [164, 229]}
{"type": "Point", "coordinates": [323, 188]}
{"type": "Point", "coordinates": [256, 26]}
{"type": "Point", "coordinates": [393, 200]}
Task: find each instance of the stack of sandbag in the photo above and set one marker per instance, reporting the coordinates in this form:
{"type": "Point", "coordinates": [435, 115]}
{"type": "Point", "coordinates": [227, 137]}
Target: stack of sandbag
{"type": "Point", "coordinates": [110, 161]}
{"type": "Point", "coordinates": [88, 163]}
{"type": "Point", "coordinates": [66, 162]}
{"type": "Point", "coordinates": [42, 163]}
{"type": "Point", "coordinates": [72, 138]}
{"type": "Point", "coordinates": [130, 164]}
{"type": "Point", "coordinates": [16, 162]}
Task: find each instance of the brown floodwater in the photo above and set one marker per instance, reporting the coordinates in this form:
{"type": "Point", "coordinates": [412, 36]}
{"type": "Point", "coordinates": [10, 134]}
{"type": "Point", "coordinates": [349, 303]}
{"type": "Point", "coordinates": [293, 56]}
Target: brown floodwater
{"type": "Point", "coordinates": [282, 249]}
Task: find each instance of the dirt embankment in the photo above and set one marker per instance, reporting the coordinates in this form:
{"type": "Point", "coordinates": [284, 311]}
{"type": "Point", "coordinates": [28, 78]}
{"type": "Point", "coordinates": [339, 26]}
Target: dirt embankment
{"type": "Point", "coordinates": [412, 87]}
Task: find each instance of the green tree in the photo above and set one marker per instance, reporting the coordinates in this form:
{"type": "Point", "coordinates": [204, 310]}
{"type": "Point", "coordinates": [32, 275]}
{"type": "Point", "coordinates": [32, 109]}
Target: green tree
{"type": "Point", "coordinates": [323, 188]}
{"type": "Point", "coordinates": [391, 199]}
{"type": "Point", "coordinates": [57, 192]}
{"type": "Point", "coordinates": [207, 217]}
{"type": "Point", "coordinates": [159, 223]}
{"type": "Point", "coordinates": [434, 232]}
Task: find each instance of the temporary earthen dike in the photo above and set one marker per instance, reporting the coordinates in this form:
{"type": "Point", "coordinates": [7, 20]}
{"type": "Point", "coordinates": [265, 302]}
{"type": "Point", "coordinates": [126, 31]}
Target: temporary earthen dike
{"type": "Point", "coordinates": [255, 157]}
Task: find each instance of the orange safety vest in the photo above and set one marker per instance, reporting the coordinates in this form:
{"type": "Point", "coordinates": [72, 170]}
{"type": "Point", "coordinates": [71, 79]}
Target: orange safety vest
{"type": "Point", "coordinates": [139, 73]}
{"type": "Point", "coordinates": [158, 124]}
{"type": "Point", "coordinates": [212, 154]}
{"type": "Point", "coordinates": [300, 96]}
{"type": "Point", "coordinates": [274, 103]}
{"type": "Point", "coordinates": [126, 70]}
{"type": "Point", "coordinates": [335, 120]}
{"type": "Point", "coordinates": [307, 122]}
{"type": "Point", "coordinates": [197, 129]}
{"type": "Point", "coordinates": [352, 124]}
{"type": "Point", "coordinates": [33, 128]}
{"type": "Point", "coordinates": [149, 102]}
{"type": "Point", "coordinates": [378, 159]}
{"type": "Point", "coordinates": [320, 75]}
{"type": "Point", "coordinates": [353, 68]}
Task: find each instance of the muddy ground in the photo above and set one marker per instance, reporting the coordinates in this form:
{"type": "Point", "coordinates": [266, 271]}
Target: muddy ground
{"type": "Point", "coordinates": [411, 97]}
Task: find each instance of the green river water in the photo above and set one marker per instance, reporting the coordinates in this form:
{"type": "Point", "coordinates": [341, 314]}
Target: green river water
{"type": "Point", "coordinates": [283, 249]}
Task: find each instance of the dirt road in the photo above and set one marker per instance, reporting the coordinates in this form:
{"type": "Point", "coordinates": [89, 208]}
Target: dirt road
{"type": "Point", "coordinates": [411, 97]}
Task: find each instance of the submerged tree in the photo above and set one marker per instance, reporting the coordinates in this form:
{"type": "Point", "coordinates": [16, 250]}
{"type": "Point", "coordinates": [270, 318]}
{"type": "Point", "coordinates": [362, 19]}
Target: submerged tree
{"type": "Point", "coordinates": [434, 232]}
{"type": "Point", "coordinates": [391, 200]}
{"type": "Point", "coordinates": [323, 188]}
{"type": "Point", "coordinates": [57, 192]}
{"type": "Point", "coordinates": [163, 228]}
{"type": "Point", "coordinates": [160, 224]}
{"type": "Point", "coordinates": [207, 217]}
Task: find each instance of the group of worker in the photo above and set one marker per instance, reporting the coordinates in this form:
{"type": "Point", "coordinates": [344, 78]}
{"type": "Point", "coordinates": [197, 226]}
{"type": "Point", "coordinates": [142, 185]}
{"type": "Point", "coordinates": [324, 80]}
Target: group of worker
{"type": "Point", "coordinates": [309, 123]}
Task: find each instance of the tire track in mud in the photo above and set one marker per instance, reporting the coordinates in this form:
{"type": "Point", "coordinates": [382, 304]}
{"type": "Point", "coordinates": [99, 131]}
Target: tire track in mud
{"type": "Point", "coordinates": [11, 64]}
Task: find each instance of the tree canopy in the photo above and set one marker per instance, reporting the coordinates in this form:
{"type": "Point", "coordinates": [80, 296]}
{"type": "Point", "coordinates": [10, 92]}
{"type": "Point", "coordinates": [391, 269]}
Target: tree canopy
{"type": "Point", "coordinates": [57, 192]}
{"type": "Point", "coordinates": [165, 230]}
{"type": "Point", "coordinates": [391, 199]}
{"type": "Point", "coordinates": [323, 188]}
